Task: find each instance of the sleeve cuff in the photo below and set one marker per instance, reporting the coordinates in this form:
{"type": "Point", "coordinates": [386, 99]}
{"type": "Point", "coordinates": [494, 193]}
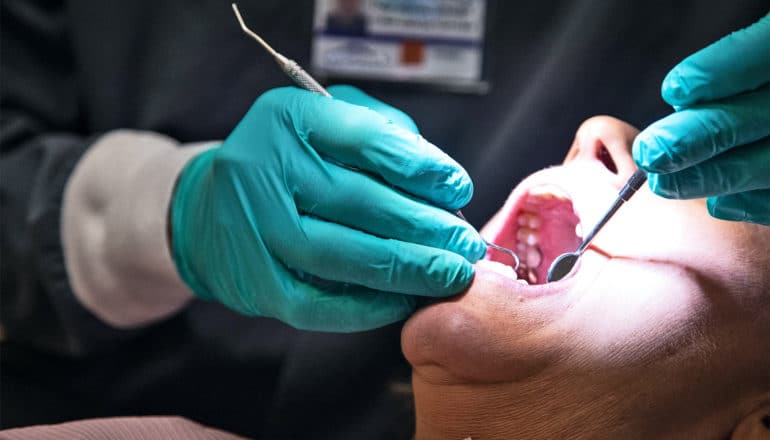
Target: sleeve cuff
{"type": "Point", "coordinates": [114, 223]}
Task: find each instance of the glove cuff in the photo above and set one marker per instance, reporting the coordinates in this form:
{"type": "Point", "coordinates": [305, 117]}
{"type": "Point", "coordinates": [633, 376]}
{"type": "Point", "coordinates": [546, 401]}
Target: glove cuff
{"type": "Point", "coordinates": [188, 205]}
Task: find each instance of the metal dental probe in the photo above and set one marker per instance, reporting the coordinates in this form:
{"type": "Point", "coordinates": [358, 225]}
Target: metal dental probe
{"type": "Point", "coordinates": [290, 67]}
{"type": "Point", "coordinates": [494, 246]}
{"type": "Point", "coordinates": [564, 263]}
{"type": "Point", "coordinates": [307, 82]}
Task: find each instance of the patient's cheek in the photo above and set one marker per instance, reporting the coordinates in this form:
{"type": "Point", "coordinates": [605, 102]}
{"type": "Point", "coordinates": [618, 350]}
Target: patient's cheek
{"type": "Point", "coordinates": [638, 312]}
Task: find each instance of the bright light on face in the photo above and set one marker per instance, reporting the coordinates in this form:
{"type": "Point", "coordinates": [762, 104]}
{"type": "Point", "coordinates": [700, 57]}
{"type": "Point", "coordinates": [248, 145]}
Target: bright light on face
{"type": "Point", "coordinates": [661, 331]}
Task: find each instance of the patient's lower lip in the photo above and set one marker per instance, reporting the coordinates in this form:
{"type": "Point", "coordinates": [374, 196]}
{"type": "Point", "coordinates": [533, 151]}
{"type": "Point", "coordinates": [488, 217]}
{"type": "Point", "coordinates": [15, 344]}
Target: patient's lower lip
{"type": "Point", "coordinates": [494, 266]}
{"type": "Point", "coordinates": [518, 289]}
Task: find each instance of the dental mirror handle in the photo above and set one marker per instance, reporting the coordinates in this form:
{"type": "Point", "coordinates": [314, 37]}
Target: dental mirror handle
{"type": "Point", "coordinates": [634, 183]}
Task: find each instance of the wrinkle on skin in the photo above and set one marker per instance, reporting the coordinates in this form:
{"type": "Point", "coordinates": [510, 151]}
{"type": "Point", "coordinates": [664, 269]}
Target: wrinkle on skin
{"type": "Point", "coordinates": [660, 333]}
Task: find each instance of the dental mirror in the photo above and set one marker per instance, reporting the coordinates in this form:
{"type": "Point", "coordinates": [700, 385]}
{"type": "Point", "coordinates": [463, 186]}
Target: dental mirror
{"type": "Point", "coordinates": [564, 263]}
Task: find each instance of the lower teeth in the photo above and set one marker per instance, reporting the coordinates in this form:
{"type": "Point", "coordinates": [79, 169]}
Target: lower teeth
{"type": "Point", "coordinates": [502, 269]}
{"type": "Point", "coordinates": [534, 257]}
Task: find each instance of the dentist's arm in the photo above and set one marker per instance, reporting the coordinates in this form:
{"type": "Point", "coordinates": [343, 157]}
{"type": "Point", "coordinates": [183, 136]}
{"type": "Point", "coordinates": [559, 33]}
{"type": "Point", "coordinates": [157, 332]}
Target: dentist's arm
{"type": "Point", "coordinates": [306, 187]}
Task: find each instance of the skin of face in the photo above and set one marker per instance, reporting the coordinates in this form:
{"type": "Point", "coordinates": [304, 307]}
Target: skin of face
{"type": "Point", "coordinates": [663, 331]}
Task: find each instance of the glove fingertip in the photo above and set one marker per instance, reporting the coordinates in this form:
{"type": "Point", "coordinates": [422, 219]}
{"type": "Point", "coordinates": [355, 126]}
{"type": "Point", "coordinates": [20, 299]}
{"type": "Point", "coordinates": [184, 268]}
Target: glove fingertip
{"type": "Point", "coordinates": [637, 149]}
{"type": "Point", "coordinates": [717, 208]}
{"type": "Point", "coordinates": [479, 250]}
{"type": "Point", "coordinates": [457, 190]}
{"type": "Point", "coordinates": [402, 308]}
{"type": "Point", "coordinates": [474, 248]}
{"type": "Point", "coordinates": [457, 275]}
{"type": "Point", "coordinates": [645, 152]}
{"type": "Point", "coordinates": [653, 149]}
{"type": "Point", "coordinates": [674, 89]}
{"type": "Point", "coordinates": [385, 309]}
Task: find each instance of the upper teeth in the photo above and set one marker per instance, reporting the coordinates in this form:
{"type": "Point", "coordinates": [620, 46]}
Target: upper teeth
{"type": "Point", "coordinates": [527, 238]}
{"type": "Point", "coordinates": [548, 191]}
{"type": "Point", "coordinates": [533, 257]}
{"type": "Point", "coordinates": [579, 230]}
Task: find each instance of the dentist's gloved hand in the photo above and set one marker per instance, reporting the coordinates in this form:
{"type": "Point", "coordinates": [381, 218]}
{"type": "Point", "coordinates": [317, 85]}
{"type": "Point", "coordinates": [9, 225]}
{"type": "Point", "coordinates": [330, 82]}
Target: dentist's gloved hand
{"type": "Point", "coordinates": [253, 218]}
{"type": "Point", "coordinates": [717, 144]}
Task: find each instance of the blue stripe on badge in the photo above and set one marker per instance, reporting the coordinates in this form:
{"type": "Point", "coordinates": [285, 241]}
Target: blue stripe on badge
{"type": "Point", "coordinates": [399, 38]}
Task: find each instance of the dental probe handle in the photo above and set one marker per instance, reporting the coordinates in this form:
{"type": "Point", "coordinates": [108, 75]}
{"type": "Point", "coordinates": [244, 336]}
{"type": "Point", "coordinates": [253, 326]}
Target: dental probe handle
{"type": "Point", "coordinates": [629, 189]}
{"type": "Point", "coordinates": [300, 77]}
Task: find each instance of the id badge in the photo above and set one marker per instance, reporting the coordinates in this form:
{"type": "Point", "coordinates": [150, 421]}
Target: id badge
{"type": "Point", "coordinates": [438, 42]}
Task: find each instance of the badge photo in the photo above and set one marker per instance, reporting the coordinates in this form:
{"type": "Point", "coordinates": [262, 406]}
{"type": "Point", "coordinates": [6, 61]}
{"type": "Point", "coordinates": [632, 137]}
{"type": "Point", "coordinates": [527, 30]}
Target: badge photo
{"type": "Point", "coordinates": [438, 42]}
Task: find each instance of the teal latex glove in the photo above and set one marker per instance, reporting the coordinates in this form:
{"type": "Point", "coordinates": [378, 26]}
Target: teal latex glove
{"type": "Point", "coordinates": [717, 144]}
{"type": "Point", "coordinates": [273, 201]}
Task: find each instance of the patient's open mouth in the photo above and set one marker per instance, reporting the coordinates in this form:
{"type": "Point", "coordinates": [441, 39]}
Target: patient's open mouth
{"type": "Point", "coordinates": [541, 226]}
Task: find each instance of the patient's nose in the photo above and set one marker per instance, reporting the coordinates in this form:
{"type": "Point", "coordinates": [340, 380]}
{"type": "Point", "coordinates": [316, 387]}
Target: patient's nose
{"type": "Point", "coordinates": [606, 140]}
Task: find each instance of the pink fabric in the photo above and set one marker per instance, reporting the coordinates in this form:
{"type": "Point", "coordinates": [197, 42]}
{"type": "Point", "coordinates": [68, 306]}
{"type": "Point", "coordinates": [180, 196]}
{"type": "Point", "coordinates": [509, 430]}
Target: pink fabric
{"type": "Point", "coordinates": [120, 428]}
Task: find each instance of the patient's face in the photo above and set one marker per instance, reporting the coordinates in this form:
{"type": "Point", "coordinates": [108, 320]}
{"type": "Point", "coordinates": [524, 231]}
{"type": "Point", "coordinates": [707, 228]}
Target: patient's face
{"type": "Point", "coordinates": [663, 329]}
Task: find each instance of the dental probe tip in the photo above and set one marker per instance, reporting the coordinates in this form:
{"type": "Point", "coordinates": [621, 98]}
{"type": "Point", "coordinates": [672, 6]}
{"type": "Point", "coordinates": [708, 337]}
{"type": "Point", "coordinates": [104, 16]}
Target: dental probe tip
{"type": "Point", "coordinates": [513, 255]}
{"type": "Point", "coordinates": [252, 34]}
{"type": "Point", "coordinates": [289, 67]}
{"type": "Point", "coordinates": [506, 251]}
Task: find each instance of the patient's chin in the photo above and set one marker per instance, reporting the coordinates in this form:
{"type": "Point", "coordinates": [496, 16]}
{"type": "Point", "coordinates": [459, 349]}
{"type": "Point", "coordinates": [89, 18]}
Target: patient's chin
{"type": "Point", "coordinates": [484, 335]}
